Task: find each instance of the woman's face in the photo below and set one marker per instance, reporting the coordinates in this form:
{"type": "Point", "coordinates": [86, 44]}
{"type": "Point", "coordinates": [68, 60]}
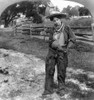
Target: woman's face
{"type": "Point", "coordinates": [57, 21]}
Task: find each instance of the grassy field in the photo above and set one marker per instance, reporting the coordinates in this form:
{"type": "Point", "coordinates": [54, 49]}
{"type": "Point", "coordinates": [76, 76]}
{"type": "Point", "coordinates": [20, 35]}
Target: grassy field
{"type": "Point", "coordinates": [78, 56]}
{"type": "Point", "coordinates": [80, 67]}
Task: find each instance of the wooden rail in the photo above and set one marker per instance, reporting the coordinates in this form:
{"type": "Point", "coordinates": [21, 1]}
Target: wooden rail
{"type": "Point", "coordinates": [37, 29]}
{"type": "Point", "coordinates": [79, 27]}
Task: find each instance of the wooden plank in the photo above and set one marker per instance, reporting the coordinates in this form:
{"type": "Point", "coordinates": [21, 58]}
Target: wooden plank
{"type": "Point", "coordinates": [84, 39]}
{"type": "Point", "coordinates": [82, 34]}
{"type": "Point", "coordinates": [78, 27]}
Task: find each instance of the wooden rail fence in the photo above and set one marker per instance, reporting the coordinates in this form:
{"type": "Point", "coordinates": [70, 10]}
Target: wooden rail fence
{"type": "Point", "coordinates": [40, 31]}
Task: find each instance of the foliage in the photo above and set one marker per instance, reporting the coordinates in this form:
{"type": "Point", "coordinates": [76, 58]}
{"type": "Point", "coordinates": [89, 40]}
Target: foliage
{"type": "Point", "coordinates": [75, 11]}
{"type": "Point", "coordinates": [81, 22]}
{"type": "Point", "coordinates": [42, 1]}
{"type": "Point", "coordinates": [67, 10]}
{"type": "Point", "coordinates": [29, 8]}
{"type": "Point", "coordinates": [83, 11]}
{"type": "Point", "coordinates": [71, 11]}
{"type": "Point", "coordinates": [8, 15]}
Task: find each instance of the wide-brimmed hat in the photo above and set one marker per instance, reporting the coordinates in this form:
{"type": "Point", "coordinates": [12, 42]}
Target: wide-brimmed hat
{"type": "Point", "coordinates": [57, 15]}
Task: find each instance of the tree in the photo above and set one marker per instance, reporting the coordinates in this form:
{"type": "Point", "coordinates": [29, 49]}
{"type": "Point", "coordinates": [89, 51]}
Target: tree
{"type": "Point", "coordinates": [45, 2]}
{"type": "Point", "coordinates": [74, 12]}
{"type": "Point", "coordinates": [67, 10]}
{"type": "Point", "coordinates": [26, 7]}
{"type": "Point", "coordinates": [9, 14]}
{"type": "Point", "coordinates": [71, 11]}
{"type": "Point", "coordinates": [84, 11]}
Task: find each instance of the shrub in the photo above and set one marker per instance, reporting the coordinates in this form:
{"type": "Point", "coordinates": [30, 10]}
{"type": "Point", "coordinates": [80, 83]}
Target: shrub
{"type": "Point", "coordinates": [81, 22]}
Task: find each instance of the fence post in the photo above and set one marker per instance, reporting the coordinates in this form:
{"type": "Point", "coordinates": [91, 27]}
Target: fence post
{"type": "Point", "coordinates": [92, 26]}
{"type": "Point", "coordinates": [14, 28]}
{"type": "Point", "coordinates": [31, 30]}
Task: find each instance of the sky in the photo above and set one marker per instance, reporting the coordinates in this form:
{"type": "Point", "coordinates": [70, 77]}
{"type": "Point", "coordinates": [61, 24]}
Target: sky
{"type": "Point", "coordinates": [61, 3]}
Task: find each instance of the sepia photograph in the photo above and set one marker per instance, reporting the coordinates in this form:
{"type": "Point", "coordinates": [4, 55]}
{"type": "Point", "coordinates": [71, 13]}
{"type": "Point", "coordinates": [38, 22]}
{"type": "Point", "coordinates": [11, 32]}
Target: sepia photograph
{"type": "Point", "coordinates": [46, 49]}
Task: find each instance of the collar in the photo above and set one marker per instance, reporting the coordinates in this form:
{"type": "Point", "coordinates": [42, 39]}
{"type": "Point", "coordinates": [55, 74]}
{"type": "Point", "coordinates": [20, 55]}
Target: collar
{"type": "Point", "coordinates": [60, 28]}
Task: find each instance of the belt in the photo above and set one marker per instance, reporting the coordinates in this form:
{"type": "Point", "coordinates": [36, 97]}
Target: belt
{"type": "Point", "coordinates": [58, 50]}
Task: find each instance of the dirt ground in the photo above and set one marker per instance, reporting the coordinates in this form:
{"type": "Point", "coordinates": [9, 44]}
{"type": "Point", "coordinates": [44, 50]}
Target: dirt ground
{"type": "Point", "coordinates": [22, 70]}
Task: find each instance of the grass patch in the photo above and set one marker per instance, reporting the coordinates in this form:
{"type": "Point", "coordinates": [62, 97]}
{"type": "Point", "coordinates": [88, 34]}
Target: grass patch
{"type": "Point", "coordinates": [79, 57]}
